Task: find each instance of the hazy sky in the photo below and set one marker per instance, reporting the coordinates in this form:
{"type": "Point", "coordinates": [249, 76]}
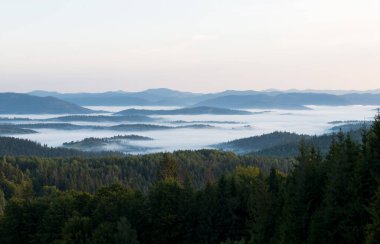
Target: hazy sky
{"type": "Point", "coordinates": [197, 45]}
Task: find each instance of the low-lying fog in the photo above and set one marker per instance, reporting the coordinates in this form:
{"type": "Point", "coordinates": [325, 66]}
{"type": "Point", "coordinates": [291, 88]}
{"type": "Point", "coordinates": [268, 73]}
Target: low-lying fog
{"type": "Point", "coordinates": [227, 127]}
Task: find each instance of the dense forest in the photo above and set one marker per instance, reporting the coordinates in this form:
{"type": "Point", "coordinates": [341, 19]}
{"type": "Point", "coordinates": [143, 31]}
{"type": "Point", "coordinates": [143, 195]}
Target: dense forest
{"type": "Point", "coordinates": [196, 197]}
{"type": "Point", "coordinates": [138, 172]}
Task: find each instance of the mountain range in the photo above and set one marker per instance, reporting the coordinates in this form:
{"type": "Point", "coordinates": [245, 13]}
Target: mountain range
{"type": "Point", "coordinates": [292, 99]}
{"type": "Point", "coordinates": [43, 102]}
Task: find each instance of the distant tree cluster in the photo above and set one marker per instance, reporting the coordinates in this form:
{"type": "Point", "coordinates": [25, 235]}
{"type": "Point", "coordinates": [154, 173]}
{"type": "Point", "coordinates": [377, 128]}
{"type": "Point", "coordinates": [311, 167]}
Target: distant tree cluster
{"type": "Point", "coordinates": [11, 146]}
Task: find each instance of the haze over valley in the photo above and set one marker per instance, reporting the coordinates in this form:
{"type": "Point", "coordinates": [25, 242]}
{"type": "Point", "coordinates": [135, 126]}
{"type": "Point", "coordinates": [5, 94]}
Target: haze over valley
{"type": "Point", "coordinates": [176, 120]}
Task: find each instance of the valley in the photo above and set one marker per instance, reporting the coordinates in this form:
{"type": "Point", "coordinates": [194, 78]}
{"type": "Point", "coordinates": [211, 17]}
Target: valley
{"type": "Point", "coordinates": [175, 128]}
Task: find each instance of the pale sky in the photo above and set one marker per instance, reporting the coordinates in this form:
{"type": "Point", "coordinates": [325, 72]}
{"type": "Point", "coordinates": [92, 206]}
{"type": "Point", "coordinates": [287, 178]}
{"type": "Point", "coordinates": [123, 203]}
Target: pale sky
{"type": "Point", "coordinates": [197, 45]}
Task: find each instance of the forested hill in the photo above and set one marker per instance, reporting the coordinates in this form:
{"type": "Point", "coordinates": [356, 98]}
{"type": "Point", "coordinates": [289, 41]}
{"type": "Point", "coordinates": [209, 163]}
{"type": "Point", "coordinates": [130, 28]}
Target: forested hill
{"type": "Point", "coordinates": [17, 103]}
{"type": "Point", "coordinates": [284, 144]}
{"type": "Point", "coordinates": [257, 143]}
{"type": "Point", "coordinates": [184, 111]}
{"type": "Point", "coordinates": [10, 146]}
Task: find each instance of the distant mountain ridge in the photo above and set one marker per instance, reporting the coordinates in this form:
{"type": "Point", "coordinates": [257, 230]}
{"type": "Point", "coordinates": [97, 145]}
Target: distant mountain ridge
{"type": "Point", "coordinates": [183, 111]}
{"type": "Point", "coordinates": [282, 101]}
{"type": "Point", "coordinates": [8, 129]}
{"type": "Point", "coordinates": [290, 99]}
{"type": "Point", "coordinates": [18, 103]}
{"type": "Point", "coordinates": [150, 97]}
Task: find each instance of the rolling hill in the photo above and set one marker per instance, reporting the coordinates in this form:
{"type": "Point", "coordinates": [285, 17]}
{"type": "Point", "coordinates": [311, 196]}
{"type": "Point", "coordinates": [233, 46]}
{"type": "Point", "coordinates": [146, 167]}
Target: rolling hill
{"type": "Point", "coordinates": [184, 111]}
{"type": "Point", "coordinates": [101, 118]}
{"type": "Point", "coordinates": [8, 129]}
{"type": "Point", "coordinates": [281, 144]}
{"type": "Point", "coordinates": [280, 101]}
{"type": "Point", "coordinates": [17, 103]}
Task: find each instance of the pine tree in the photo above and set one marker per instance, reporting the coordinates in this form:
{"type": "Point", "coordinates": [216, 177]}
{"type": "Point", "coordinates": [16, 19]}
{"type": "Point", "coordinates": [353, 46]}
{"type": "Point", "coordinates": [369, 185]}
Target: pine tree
{"type": "Point", "coordinates": [168, 167]}
{"type": "Point", "coordinates": [2, 202]}
{"type": "Point", "coordinates": [373, 229]}
{"type": "Point", "coordinates": [343, 209]}
{"type": "Point", "coordinates": [125, 233]}
{"type": "Point", "coordinates": [304, 195]}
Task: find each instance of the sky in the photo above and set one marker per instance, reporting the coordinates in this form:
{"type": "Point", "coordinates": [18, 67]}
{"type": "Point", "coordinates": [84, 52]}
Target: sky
{"type": "Point", "coordinates": [197, 45]}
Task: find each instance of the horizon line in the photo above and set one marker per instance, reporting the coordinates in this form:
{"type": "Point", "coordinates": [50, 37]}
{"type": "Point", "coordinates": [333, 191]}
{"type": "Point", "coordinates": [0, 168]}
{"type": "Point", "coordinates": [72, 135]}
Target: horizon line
{"type": "Point", "coordinates": [204, 92]}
